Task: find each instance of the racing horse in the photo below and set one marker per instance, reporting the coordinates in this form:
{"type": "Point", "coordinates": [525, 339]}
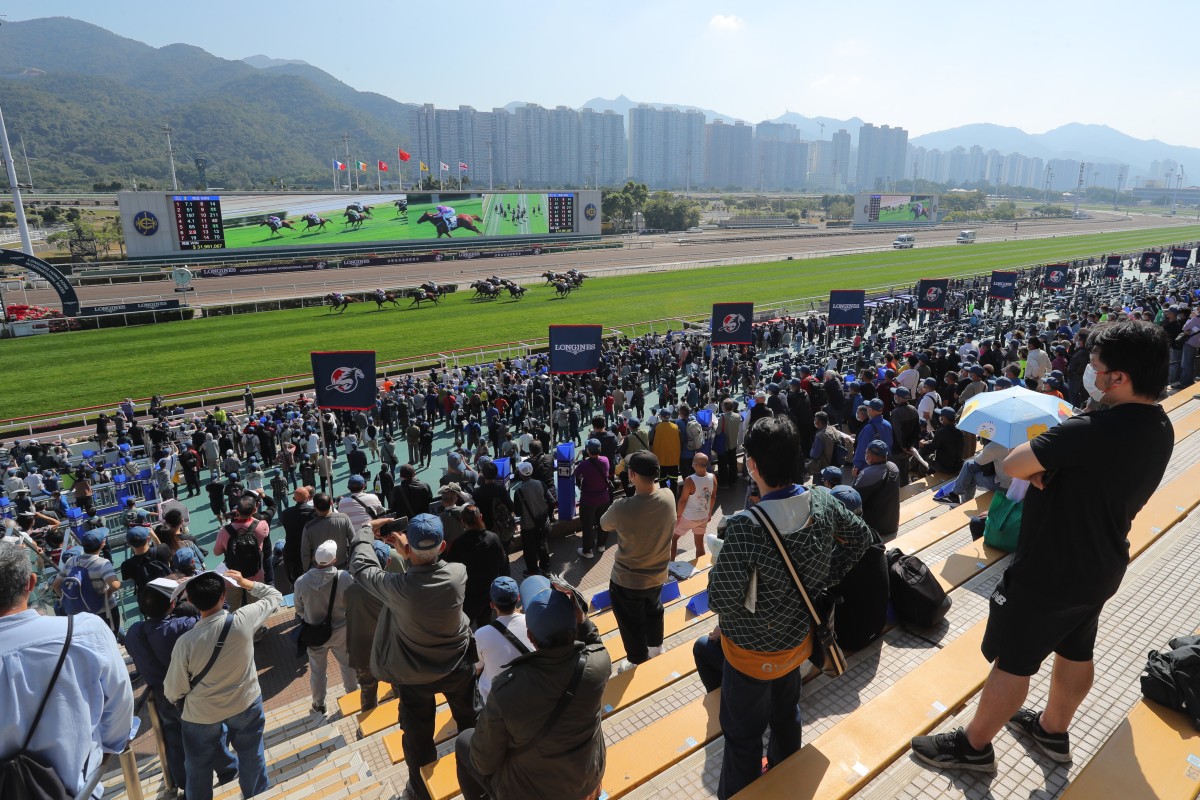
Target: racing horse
{"type": "Point", "coordinates": [553, 277]}
{"type": "Point", "coordinates": [275, 223]}
{"type": "Point", "coordinates": [359, 208]}
{"type": "Point", "coordinates": [314, 221]}
{"type": "Point", "coordinates": [464, 221]}
{"type": "Point", "coordinates": [401, 208]}
{"type": "Point", "coordinates": [562, 289]}
{"type": "Point", "coordinates": [421, 296]}
{"type": "Point", "coordinates": [340, 302]}
{"type": "Point", "coordinates": [434, 288]}
{"type": "Point", "coordinates": [380, 297]}
{"type": "Point", "coordinates": [514, 291]}
{"type": "Point", "coordinates": [486, 290]}
{"type": "Point", "coordinates": [353, 219]}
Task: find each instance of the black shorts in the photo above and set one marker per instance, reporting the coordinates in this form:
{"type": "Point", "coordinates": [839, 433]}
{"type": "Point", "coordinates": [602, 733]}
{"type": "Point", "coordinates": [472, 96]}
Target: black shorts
{"type": "Point", "coordinates": [1024, 627]}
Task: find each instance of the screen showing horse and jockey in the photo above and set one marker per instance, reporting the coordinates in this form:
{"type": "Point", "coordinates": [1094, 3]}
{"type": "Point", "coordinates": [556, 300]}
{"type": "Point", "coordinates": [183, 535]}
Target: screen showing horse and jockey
{"type": "Point", "coordinates": [895, 209]}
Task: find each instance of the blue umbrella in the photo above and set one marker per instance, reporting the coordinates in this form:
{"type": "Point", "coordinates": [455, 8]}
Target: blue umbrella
{"type": "Point", "coordinates": [1013, 416]}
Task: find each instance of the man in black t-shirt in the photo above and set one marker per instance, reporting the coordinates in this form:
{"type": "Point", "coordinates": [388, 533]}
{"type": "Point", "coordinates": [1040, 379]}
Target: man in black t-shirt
{"type": "Point", "coordinates": [1090, 476]}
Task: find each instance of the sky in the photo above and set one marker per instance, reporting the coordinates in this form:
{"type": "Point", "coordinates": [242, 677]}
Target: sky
{"type": "Point", "coordinates": [924, 66]}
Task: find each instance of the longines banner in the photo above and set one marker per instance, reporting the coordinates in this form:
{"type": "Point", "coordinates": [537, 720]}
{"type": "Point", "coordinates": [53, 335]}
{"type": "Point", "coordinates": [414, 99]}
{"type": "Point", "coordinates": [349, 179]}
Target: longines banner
{"type": "Point", "coordinates": [1180, 257]}
{"type": "Point", "coordinates": [1004, 285]}
{"type": "Point", "coordinates": [128, 308]}
{"type": "Point", "coordinates": [1112, 267]}
{"type": "Point", "coordinates": [375, 261]}
{"type": "Point", "coordinates": [846, 306]}
{"type": "Point", "coordinates": [262, 269]}
{"type": "Point", "coordinates": [575, 348]}
{"type": "Point", "coordinates": [731, 323]}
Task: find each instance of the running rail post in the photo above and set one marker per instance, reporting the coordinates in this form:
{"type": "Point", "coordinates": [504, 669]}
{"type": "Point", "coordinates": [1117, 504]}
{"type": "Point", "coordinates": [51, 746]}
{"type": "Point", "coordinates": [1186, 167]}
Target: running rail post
{"type": "Point", "coordinates": [133, 784]}
{"type": "Point", "coordinates": [156, 724]}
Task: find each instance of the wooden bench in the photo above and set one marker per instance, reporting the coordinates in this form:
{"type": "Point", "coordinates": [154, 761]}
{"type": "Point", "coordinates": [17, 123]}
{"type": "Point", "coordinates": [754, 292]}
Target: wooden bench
{"type": "Point", "coordinates": [1180, 398]}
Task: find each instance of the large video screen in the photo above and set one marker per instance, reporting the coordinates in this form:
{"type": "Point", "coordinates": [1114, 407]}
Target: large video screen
{"type": "Point", "coordinates": [891, 209]}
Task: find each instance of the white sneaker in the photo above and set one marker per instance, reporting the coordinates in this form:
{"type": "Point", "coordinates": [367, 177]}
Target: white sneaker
{"type": "Point", "coordinates": [625, 666]}
{"type": "Point", "coordinates": [654, 651]}
{"type": "Point", "coordinates": [585, 553]}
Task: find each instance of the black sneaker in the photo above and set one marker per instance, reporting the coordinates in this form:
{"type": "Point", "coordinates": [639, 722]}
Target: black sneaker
{"type": "Point", "coordinates": [951, 750]}
{"type": "Point", "coordinates": [1055, 745]}
{"type": "Point", "coordinates": [950, 499]}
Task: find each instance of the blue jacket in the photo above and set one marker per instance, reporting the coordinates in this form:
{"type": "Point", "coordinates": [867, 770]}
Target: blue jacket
{"type": "Point", "coordinates": [876, 428]}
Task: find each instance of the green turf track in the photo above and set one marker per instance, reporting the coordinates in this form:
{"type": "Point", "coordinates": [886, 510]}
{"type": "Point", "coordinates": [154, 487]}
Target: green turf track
{"type": "Point", "coordinates": [85, 368]}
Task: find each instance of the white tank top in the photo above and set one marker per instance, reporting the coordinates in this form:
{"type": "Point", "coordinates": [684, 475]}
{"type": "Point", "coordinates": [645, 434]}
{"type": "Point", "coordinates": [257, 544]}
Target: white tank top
{"type": "Point", "coordinates": [698, 502]}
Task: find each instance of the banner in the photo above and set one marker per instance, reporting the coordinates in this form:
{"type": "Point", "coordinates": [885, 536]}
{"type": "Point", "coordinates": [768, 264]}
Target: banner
{"type": "Point", "coordinates": [931, 294]}
{"type": "Point", "coordinates": [344, 379]}
{"type": "Point", "coordinates": [731, 323]}
{"type": "Point", "coordinates": [466, 255]}
{"type": "Point", "coordinates": [846, 306]}
{"type": "Point", "coordinates": [128, 308]}
{"type": "Point", "coordinates": [1112, 267]}
{"type": "Point", "coordinates": [574, 348]}
{"type": "Point", "coordinates": [1180, 257]}
{"type": "Point", "coordinates": [1055, 277]}
{"type": "Point", "coordinates": [374, 261]}
{"type": "Point", "coordinates": [1004, 285]}
{"type": "Point", "coordinates": [258, 269]}
{"type": "Point", "coordinates": [1150, 262]}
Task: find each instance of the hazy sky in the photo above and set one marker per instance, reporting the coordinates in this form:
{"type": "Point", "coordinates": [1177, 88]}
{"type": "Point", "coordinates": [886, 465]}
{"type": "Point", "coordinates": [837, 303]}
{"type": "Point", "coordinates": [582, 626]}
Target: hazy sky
{"type": "Point", "coordinates": [924, 66]}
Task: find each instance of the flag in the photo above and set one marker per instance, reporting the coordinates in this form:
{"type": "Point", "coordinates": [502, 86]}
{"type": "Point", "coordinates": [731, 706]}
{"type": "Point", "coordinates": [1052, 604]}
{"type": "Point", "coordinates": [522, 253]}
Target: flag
{"type": "Point", "coordinates": [338, 164]}
{"type": "Point", "coordinates": [931, 294]}
{"type": "Point", "coordinates": [1112, 267]}
{"type": "Point", "coordinates": [1151, 262]}
{"type": "Point", "coordinates": [344, 379]}
{"type": "Point", "coordinates": [846, 306]}
{"type": "Point", "coordinates": [423, 167]}
{"type": "Point", "coordinates": [1004, 285]}
{"type": "Point", "coordinates": [1180, 256]}
{"type": "Point", "coordinates": [362, 166]}
{"type": "Point", "coordinates": [574, 348]}
{"type": "Point", "coordinates": [462, 165]}
{"type": "Point", "coordinates": [731, 323]}
{"type": "Point", "coordinates": [443, 166]}
{"type": "Point", "coordinates": [382, 166]}
{"type": "Point", "coordinates": [403, 154]}
{"type": "Point", "coordinates": [1055, 277]}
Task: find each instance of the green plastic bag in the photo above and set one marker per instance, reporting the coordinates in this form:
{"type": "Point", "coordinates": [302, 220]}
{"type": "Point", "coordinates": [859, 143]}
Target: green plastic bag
{"type": "Point", "coordinates": [1002, 528]}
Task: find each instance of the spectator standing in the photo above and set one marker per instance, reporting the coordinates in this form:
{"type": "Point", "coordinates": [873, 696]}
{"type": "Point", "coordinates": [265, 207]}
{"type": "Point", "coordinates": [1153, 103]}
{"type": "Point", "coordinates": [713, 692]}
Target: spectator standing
{"type": "Point", "coordinates": [359, 505]}
{"type": "Point", "coordinates": [481, 552]}
{"type": "Point", "coordinates": [321, 596]}
{"type": "Point", "coordinates": [243, 543]}
{"type": "Point", "coordinates": [224, 696]}
{"type": "Point", "coordinates": [644, 524]}
{"type": "Point", "coordinates": [696, 504]}
{"type": "Point", "coordinates": [88, 703]}
{"type": "Point", "coordinates": [533, 503]}
{"type": "Point", "coordinates": [594, 497]}
{"type": "Point", "coordinates": [878, 485]}
{"type": "Point", "coordinates": [504, 638]}
{"type": "Point", "coordinates": [294, 518]}
{"type": "Point", "coordinates": [326, 524]}
{"type": "Point", "coordinates": [362, 618]}
{"type": "Point", "coordinates": [98, 582]}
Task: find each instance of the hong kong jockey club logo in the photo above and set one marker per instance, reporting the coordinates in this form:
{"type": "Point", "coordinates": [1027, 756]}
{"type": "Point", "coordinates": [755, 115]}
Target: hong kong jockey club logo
{"type": "Point", "coordinates": [345, 380]}
{"type": "Point", "coordinates": [145, 223]}
{"type": "Point", "coordinates": [732, 323]}
{"type": "Point", "coordinates": [589, 211]}
{"type": "Point", "coordinates": [1057, 276]}
{"type": "Point", "coordinates": [932, 294]}
{"type": "Point", "coordinates": [1151, 264]}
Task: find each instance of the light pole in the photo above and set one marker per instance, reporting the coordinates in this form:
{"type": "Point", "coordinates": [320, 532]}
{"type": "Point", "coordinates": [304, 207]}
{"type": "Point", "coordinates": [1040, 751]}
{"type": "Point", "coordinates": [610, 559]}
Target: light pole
{"type": "Point", "coordinates": [171, 157]}
{"type": "Point", "coordinates": [28, 174]}
{"type": "Point", "coordinates": [1175, 194]}
{"type": "Point", "coordinates": [489, 147]}
{"type": "Point", "coordinates": [596, 165]}
{"type": "Point", "coordinates": [22, 224]}
{"type": "Point", "coordinates": [1117, 194]}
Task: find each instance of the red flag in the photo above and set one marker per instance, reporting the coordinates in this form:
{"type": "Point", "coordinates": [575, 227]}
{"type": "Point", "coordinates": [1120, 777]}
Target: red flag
{"type": "Point", "coordinates": [403, 154]}
{"type": "Point", "coordinates": [383, 166]}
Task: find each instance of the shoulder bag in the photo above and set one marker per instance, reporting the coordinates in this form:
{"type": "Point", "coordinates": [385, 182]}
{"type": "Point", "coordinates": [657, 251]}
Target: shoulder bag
{"type": "Point", "coordinates": [195, 681]}
{"type": "Point", "coordinates": [827, 655]}
{"type": "Point", "coordinates": [316, 635]}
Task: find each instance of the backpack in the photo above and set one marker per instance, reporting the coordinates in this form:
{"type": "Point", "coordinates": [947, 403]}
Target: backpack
{"type": "Point", "coordinates": [23, 777]}
{"type": "Point", "coordinates": [917, 598]}
{"type": "Point", "coordinates": [695, 435]}
{"type": "Point", "coordinates": [818, 395]}
{"type": "Point", "coordinates": [78, 593]}
{"type": "Point", "coordinates": [243, 553]}
{"type": "Point", "coordinates": [1172, 678]}
{"type": "Point", "coordinates": [506, 523]}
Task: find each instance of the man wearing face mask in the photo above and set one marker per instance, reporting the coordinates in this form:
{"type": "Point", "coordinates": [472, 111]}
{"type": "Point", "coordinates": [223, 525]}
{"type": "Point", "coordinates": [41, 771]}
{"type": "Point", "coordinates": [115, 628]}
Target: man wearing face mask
{"type": "Point", "coordinates": [1073, 550]}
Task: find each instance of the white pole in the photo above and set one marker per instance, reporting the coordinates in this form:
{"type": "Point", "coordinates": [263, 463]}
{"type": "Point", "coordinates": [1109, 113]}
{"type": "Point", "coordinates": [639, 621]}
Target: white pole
{"type": "Point", "coordinates": [22, 224]}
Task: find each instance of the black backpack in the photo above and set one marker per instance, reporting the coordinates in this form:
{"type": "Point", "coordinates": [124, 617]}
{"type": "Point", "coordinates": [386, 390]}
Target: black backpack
{"type": "Point", "coordinates": [243, 553]}
{"type": "Point", "coordinates": [1172, 678]}
{"type": "Point", "coordinates": [23, 777]}
{"type": "Point", "coordinates": [506, 523]}
{"type": "Point", "coordinates": [917, 598]}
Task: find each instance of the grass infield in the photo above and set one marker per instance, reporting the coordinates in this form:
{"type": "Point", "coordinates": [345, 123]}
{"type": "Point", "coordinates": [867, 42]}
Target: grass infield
{"type": "Point", "coordinates": [87, 368]}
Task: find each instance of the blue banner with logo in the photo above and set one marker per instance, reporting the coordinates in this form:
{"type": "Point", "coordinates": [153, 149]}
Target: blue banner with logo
{"type": "Point", "coordinates": [931, 294]}
{"type": "Point", "coordinates": [1112, 267]}
{"type": "Point", "coordinates": [731, 323]}
{"type": "Point", "coordinates": [1004, 285]}
{"type": "Point", "coordinates": [1150, 262]}
{"type": "Point", "coordinates": [344, 379]}
{"type": "Point", "coordinates": [846, 306]}
{"type": "Point", "coordinates": [1180, 256]}
{"type": "Point", "coordinates": [574, 348]}
{"type": "Point", "coordinates": [1055, 277]}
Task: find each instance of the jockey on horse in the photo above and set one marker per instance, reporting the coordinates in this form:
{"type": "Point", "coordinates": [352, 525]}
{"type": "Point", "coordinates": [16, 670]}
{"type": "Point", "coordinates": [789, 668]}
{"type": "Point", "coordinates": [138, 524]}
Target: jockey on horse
{"type": "Point", "coordinates": [448, 216]}
{"type": "Point", "coordinates": [360, 208]}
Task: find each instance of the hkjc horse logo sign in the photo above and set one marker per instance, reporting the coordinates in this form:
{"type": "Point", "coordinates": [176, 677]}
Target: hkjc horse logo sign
{"type": "Point", "coordinates": [731, 323]}
{"type": "Point", "coordinates": [931, 294]}
{"type": "Point", "coordinates": [344, 379]}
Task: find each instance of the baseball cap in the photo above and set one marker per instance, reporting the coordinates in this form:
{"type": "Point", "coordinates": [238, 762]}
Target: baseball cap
{"type": "Point", "coordinates": [832, 474]}
{"type": "Point", "coordinates": [878, 447]}
{"type": "Point", "coordinates": [849, 497]}
{"type": "Point", "coordinates": [525, 468]}
{"type": "Point", "coordinates": [977, 370]}
{"type": "Point", "coordinates": [382, 552]}
{"type": "Point", "coordinates": [93, 538]}
{"type": "Point", "coordinates": [425, 532]}
{"type": "Point", "coordinates": [184, 558]}
{"type": "Point", "coordinates": [547, 610]}
{"type": "Point", "coordinates": [929, 383]}
{"type": "Point", "coordinates": [1003, 383]}
{"type": "Point", "coordinates": [452, 487]}
{"type": "Point", "coordinates": [947, 412]}
{"type": "Point", "coordinates": [875, 404]}
{"type": "Point", "coordinates": [593, 445]}
{"type": "Point", "coordinates": [138, 535]}
{"type": "Point", "coordinates": [504, 591]}
{"type": "Point", "coordinates": [644, 463]}
{"type": "Point", "coordinates": [1053, 382]}
{"type": "Point", "coordinates": [326, 553]}
{"type": "Point", "coordinates": [634, 422]}
{"type": "Point", "coordinates": [902, 391]}
{"type": "Point", "coordinates": [356, 480]}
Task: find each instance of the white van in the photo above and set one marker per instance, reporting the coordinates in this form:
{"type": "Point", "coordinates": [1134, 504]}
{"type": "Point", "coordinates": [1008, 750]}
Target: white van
{"type": "Point", "coordinates": [904, 241]}
{"type": "Point", "coordinates": [966, 237]}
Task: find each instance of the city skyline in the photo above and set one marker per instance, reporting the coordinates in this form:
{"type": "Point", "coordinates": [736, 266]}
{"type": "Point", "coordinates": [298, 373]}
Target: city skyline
{"type": "Point", "coordinates": [952, 65]}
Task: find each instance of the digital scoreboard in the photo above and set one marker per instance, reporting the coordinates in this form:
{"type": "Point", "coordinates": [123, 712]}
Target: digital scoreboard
{"type": "Point", "coordinates": [198, 222]}
{"type": "Point", "coordinates": [560, 212]}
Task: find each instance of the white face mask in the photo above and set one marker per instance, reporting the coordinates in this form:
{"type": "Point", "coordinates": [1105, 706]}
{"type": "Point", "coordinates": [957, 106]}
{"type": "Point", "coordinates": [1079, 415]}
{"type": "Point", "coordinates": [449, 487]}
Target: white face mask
{"type": "Point", "coordinates": [1089, 383]}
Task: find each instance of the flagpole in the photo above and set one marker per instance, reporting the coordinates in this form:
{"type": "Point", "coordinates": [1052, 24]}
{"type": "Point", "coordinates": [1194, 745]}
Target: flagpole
{"type": "Point", "coordinates": [378, 177]}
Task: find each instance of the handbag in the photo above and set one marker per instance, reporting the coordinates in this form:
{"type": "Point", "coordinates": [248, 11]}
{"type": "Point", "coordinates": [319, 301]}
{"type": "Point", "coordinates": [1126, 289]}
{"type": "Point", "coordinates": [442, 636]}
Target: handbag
{"type": "Point", "coordinates": [827, 655]}
{"type": "Point", "coordinates": [316, 635]}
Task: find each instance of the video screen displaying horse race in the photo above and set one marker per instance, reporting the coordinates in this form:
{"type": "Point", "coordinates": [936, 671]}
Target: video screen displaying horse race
{"type": "Point", "coordinates": [894, 209]}
{"type": "Point", "coordinates": [268, 221]}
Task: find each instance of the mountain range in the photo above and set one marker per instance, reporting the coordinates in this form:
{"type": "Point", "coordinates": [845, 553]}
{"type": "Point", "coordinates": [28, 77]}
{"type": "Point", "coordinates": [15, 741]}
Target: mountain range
{"type": "Point", "coordinates": [89, 106]}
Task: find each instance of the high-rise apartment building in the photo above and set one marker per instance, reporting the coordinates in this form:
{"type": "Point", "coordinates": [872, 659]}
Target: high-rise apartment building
{"type": "Point", "coordinates": [603, 150]}
{"type": "Point", "coordinates": [666, 146]}
{"type": "Point", "coordinates": [881, 156]}
{"type": "Point", "coordinates": [728, 153]}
